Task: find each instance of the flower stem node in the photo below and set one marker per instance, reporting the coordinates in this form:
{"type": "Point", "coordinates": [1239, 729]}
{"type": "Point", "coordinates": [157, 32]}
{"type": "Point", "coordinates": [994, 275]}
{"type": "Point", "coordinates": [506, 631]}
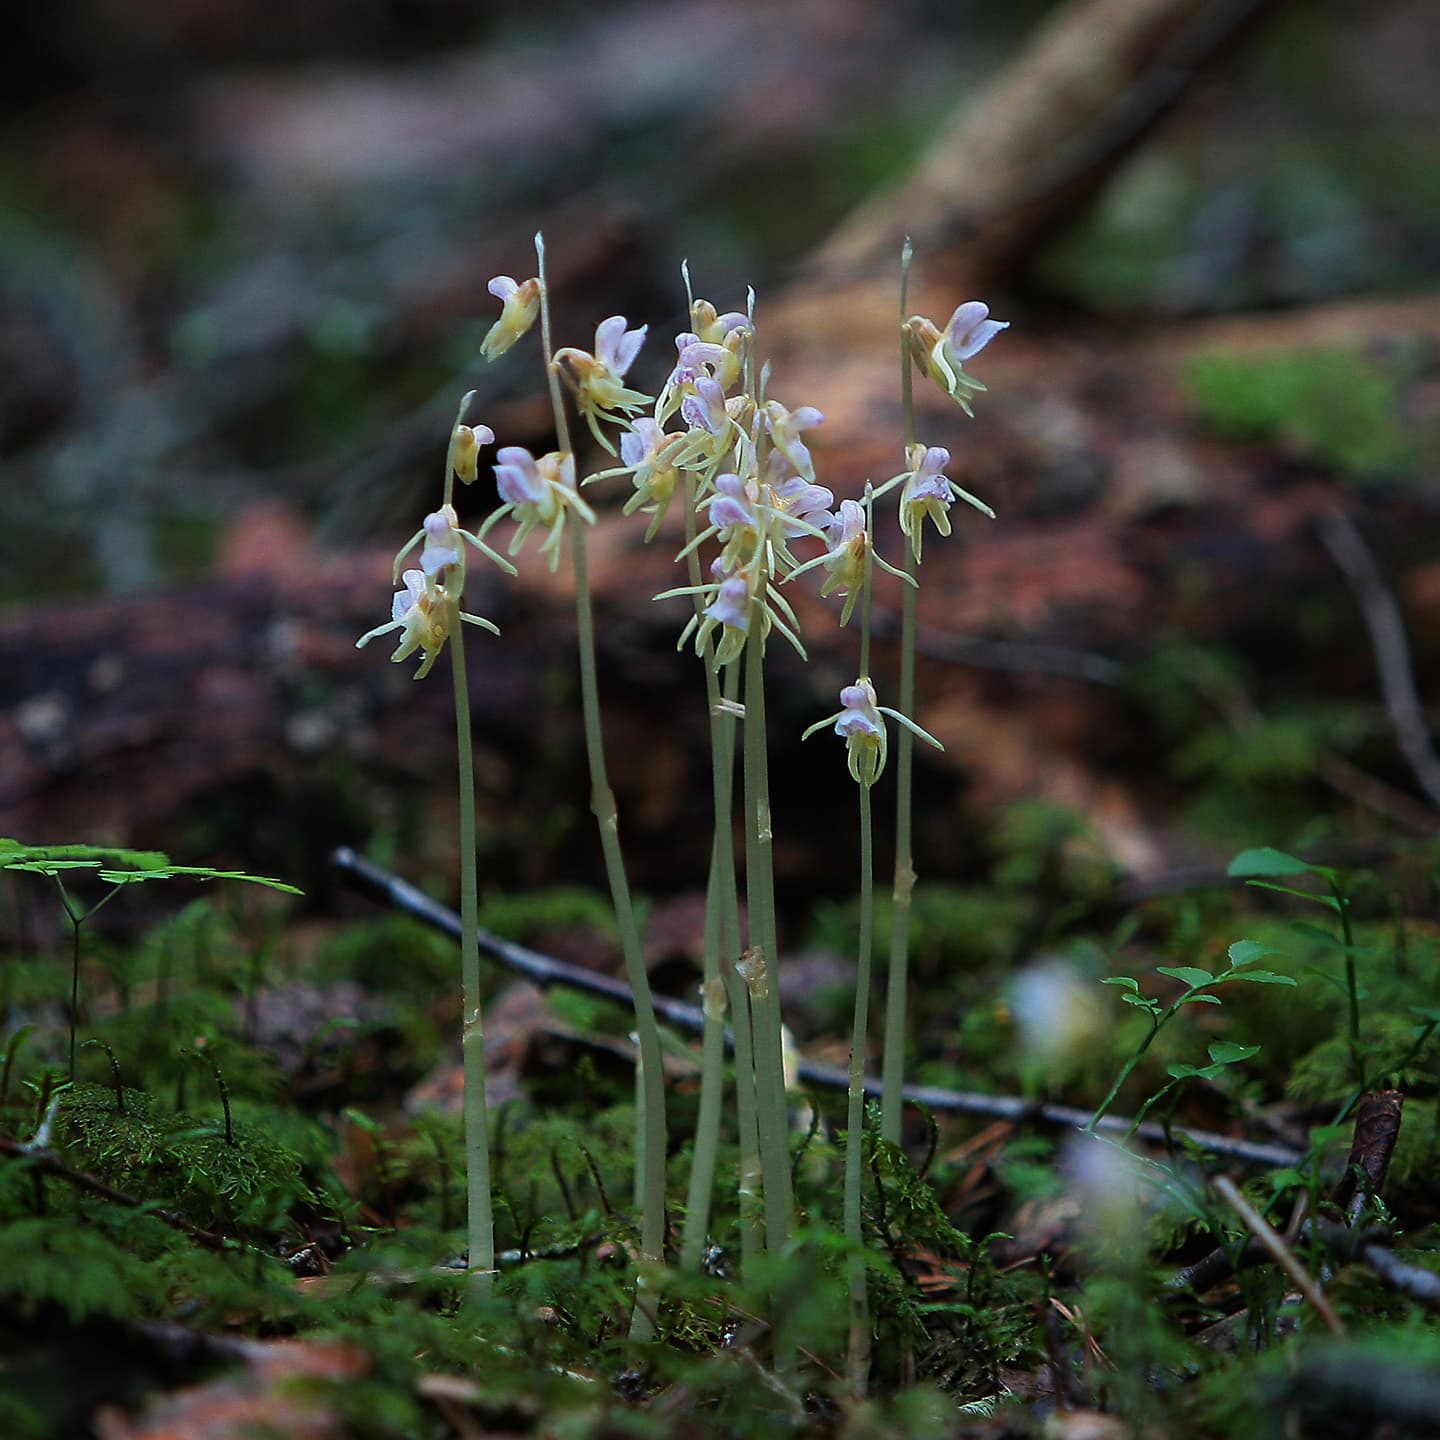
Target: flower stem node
{"type": "Point", "coordinates": [941, 354]}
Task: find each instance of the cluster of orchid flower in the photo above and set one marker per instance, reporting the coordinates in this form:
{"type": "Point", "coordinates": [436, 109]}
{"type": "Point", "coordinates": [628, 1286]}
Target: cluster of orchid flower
{"type": "Point", "coordinates": [715, 438]}
{"type": "Point", "coordinates": [750, 467]}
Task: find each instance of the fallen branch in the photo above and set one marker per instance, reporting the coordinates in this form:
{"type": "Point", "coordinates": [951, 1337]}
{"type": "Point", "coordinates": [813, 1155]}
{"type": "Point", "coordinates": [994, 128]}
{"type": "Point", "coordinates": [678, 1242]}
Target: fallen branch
{"type": "Point", "coordinates": [1381, 614]}
{"type": "Point", "coordinates": [49, 1163]}
{"type": "Point", "coordinates": [544, 970]}
{"type": "Point", "coordinates": [1281, 1254]}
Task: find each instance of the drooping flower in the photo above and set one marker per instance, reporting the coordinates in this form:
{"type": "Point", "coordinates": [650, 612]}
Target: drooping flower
{"type": "Point", "coordinates": [537, 493]}
{"type": "Point", "coordinates": [703, 408]}
{"type": "Point", "coordinates": [804, 508]}
{"type": "Point", "coordinates": [714, 328]}
{"type": "Point", "coordinates": [859, 720]}
{"type": "Point", "coordinates": [650, 457]}
{"type": "Point", "coordinates": [714, 349]}
{"type": "Point", "coordinates": [465, 443]}
{"type": "Point", "coordinates": [444, 546]}
{"type": "Point", "coordinates": [425, 612]}
{"type": "Point", "coordinates": [520, 309]}
{"type": "Point", "coordinates": [784, 428]}
{"type": "Point", "coordinates": [941, 354]}
{"type": "Point", "coordinates": [928, 492]}
{"type": "Point", "coordinates": [598, 378]}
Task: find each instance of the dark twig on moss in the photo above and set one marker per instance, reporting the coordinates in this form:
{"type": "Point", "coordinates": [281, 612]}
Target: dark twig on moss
{"type": "Point", "coordinates": [545, 971]}
{"type": "Point", "coordinates": [46, 1162]}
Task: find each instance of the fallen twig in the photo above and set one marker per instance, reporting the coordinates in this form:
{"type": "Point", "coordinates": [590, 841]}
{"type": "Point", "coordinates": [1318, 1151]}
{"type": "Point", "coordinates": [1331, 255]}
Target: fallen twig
{"type": "Point", "coordinates": [49, 1163]}
{"type": "Point", "coordinates": [544, 970]}
{"type": "Point", "coordinates": [1281, 1253]}
{"type": "Point", "coordinates": [1381, 614]}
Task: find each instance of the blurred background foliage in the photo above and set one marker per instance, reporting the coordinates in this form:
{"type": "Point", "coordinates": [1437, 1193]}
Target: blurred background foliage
{"type": "Point", "coordinates": [242, 248]}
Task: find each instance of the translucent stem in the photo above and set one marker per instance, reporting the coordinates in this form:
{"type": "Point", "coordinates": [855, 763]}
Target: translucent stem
{"type": "Point", "coordinates": [722, 730]}
{"type": "Point", "coordinates": [602, 803]}
{"type": "Point", "coordinates": [651, 1146]}
{"type": "Point", "coordinates": [858, 1363]}
{"type": "Point", "coordinates": [721, 950]}
{"type": "Point", "coordinates": [892, 1069]}
{"type": "Point", "coordinates": [763, 980]}
{"type": "Point", "coordinates": [480, 1216]}
{"type": "Point", "coordinates": [712, 1078]}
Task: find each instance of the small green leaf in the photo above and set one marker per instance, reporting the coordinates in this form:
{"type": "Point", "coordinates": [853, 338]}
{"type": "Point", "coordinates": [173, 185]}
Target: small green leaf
{"type": "Point", "coordinates": [1266, 861]}
{"type": "Point", "coordinates": [1184, 1072]}
{"type": "Point", "coordinates": [362, 1121]}
{"type": "Point", "coordinates": [1190, 975]}
{"type": "Point", "coordinates": [1263, 977]}
{"type": "Point", "coordinates": [1201, 1000]}
{"type": "Point", "coordinates": [1227, 1052]}
{"type": "Point", "coordinates": [1124, 980]}
{"type": "Point", "coordinates": [1140, 1000]}
{"type": "Point", "coordinates": [1329, 901]}
{"type": "Point", "coordinates": [1245, 952]}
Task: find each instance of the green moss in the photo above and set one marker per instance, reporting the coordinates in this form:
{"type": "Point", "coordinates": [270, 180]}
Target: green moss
{"type": "Point", "coordinates": [1335, 406]}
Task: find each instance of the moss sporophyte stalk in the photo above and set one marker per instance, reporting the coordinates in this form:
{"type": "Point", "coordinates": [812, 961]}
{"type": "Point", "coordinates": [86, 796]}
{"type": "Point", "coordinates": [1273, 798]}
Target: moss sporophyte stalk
{"type": "Point", "coordinates": [736, 461]}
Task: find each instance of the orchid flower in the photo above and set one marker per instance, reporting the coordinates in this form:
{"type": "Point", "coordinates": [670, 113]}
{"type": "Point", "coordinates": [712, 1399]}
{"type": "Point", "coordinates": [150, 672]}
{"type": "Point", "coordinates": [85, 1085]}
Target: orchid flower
{"type": "Point", "coordinates": [600, 393]}
{"type": "Point", "coordinates": [849, 548]}
{"type": "Point", "coordinates": [651, 458]}
{"type": "Point", "coordinates": [784, 427]}
{"type": "Point", "coordinates": [941, 354]}
{"type": "Point", "coordinates": [732, 596]}
{"type": "Point", "coordinates": [928, 491]}
{"type": "Point", "coordinates": [520, 308]}
{"type": "Point", "coordinates": [445, 545]}
{"type": "Point", "coordinates": [425, 612]}
{"type": "Point", "coordinates": [860, 721]}
{"type": "Point", "coordinates": [537, 493]}
{"type": "Point", "coordinates": [465, 443]}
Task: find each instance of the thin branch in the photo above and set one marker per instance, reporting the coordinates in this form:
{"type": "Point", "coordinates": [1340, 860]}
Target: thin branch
{"type": "Point", "coordinates": [1381, 614]}
{"type": "Point", "coordinates": [544, 971]}
{"type": "Point", "coordinates": [49, 1163]}
{"type": "Point", "coordinates": [1281, 1253]}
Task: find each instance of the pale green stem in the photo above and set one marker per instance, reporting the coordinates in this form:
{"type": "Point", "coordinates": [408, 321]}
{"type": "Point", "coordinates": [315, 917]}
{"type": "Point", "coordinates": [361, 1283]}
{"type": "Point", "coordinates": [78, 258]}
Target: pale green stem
{"type": "Point", "coordinates": [858, 1364]}
{"type": "Point", "coordinates": [722, 741]}
{"type": "Point", "coordinates": [651, 1147]}
{"type": "Point", "coordinates": [764, 988]}
{"type": "Point", "coordinates": [602, 803]}
{"type": "Point", "coordinates": [721, 949]}
{"type": "Point", "coordinates": [892, 1069]}
{"type": "Point", "coordinates": [480, 1216]}
{"type": "Point", "coordinates": [712, 1077]}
